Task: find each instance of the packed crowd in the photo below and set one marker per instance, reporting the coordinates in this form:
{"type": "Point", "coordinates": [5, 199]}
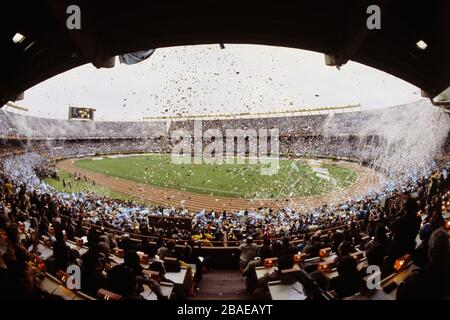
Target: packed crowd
{"type": "Point", "coordinates": [47, 217]}
{"type": "Point", "coordinates": [28, 169]}
{"type": "Point", "coordinates": [414, 227]}
{"type": "Point", "coordinates": [61, 217]}
{"type": "Point", "coordinates": [24, 197]}
{"type": "Point", "coordinates": [345, 123]}
{"type": "Point", "coordinates": [18, 125]}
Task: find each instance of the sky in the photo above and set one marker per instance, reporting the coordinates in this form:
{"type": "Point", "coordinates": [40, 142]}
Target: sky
{"type": "Point", "coordinates": [200, 80]}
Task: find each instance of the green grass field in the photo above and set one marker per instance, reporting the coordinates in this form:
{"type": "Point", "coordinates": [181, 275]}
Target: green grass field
{"type": "Point", "coordinates": [82, 186]}
{"type": "Point", "coordinates": [230, 180]}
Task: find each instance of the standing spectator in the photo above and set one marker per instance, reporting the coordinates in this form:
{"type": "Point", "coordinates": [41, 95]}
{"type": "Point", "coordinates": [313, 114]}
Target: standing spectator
{"type": "Point", "coordinates": [433, 281]}
{"type": "Point", "coordinates": [405, 228]}
{"type": "Point", "coordinates": [377, 250]}
{"type": "Point", "coordinates": [61, 252]}
{"type": "Point", "coordinates": [248, 252]}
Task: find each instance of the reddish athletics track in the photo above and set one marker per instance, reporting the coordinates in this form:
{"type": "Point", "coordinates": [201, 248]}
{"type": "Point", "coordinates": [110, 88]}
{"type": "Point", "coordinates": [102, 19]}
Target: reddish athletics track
{"type": "Point", "coordinates": [367, 178]}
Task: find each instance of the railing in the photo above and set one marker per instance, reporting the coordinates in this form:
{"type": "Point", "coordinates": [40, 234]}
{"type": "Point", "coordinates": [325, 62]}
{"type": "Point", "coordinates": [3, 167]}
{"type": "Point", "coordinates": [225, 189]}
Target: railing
{"type": "Point", "coordinates": [226, 243]}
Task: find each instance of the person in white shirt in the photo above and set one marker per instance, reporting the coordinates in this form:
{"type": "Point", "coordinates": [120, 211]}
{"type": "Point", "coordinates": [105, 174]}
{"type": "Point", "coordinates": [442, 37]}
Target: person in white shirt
{"type": "Point", "coordinates": [248, 252]}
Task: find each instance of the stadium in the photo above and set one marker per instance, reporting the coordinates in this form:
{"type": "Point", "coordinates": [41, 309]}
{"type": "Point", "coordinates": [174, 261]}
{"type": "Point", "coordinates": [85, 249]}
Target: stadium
{"type": "Point", "coordinates": [300, 204]}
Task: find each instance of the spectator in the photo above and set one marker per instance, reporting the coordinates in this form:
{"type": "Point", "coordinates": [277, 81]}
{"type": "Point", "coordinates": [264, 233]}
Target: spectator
{"type": "Point", "coordinates": [314, 245]}
{"type": "Point", "coordinates": [248, 252]}
{"type": "Point", "coordinates": [93, 275]}
{"type": "Point", "coordinates": [167, 251]}
{"type": "Point", "coordinates": [421, 253]}
{"type": "Point", "coordinates": [343, 251]}
{"type": "Point", "coordinates": [348, 281]}
{"type": "Point", "coordinates": [4, 279]}
{"type": "Point", "coordinates": [249, 273]}
{"type": "Point", "coordinates": [61, 252]}
{"type": "Point", "coordinates": [405, 228]}
{"type": "Point", "coordinates": [377, 250]}
{"type": "Point", "coordinates": [126, 279]}
{"type": "Point", "coordinates": [433, 281]}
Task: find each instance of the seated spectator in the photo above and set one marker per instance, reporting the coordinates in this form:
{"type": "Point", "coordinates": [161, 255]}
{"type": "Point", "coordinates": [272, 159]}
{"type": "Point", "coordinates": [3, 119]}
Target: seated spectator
{"type": "Point", "coordinates": [161, 269]}
{"type": "Point", "coordinates": [92, 269]}
{"type": "Point", "coordinates": [187, 256]}
{"type": "Point", "coordinates": [284, 262]}
{"type": "Point", "coordinates": [167, 251]}
{"type": "Point", "coordinates": [125, 243]}
{"type": "Point", "coordinates": [286, 246]}
{"type": "Point", "coordinates": [266, 244]}
{"type": "Point", "coordinates": [152, 256]}
{"type": "Point", "coordinates": [79, 230]}
{"type": "Point", "coordinates": [336, 240]}
{"type": "Point", "coordinates": [314, 245]}
{"type": "Point", "coordinates": [43, 227]}
{"type": "Point", "coordinates": [103, 245]}
{"type": "Point", "coordinates": [277, 249]}
{"type": "Point", "coordinates": [126, 279]}
{"type": "Point", "coordinates": [348, 281]}
{"type": "Point", "coordinates": [344, 250]}
{"type": "Point", "coordinates": [66, 224]}
{"type": "Point", "coordinates": [93, 236]}
{"type": "Point", "coordinates": [321, 279]}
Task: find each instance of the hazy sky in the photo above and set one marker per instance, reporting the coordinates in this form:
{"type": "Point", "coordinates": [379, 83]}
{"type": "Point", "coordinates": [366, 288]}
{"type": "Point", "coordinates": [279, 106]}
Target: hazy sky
{"type": "Point", "coordinates": [208, 80]}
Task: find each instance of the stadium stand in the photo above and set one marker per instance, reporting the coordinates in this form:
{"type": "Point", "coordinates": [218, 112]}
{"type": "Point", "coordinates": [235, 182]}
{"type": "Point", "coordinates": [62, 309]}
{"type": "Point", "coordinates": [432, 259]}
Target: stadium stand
{"type": "Point", "coordinates": [324, 254]}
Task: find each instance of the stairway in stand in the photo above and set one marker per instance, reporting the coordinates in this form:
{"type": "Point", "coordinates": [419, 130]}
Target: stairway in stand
{"type": "Point", "coordinates": [221, 285]}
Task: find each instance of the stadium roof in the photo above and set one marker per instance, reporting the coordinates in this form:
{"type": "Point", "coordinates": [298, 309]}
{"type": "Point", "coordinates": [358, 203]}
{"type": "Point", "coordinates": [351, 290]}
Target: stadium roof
{"type": "Point", "coordinates": [43, 46]}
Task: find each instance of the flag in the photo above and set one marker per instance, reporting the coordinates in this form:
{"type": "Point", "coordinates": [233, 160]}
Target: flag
{"type": "Point", "coordinates": [136, 57]}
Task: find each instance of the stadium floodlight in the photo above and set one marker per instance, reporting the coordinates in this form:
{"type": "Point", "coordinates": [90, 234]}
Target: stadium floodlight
{"type": "Point", "coordinates": [18, 37]}
{"type": "Point", "coordinates": [422, 45]}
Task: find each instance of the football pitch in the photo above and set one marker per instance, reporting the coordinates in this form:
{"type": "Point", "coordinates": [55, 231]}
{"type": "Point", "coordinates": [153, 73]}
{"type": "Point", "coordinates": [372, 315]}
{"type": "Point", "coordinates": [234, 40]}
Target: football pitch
{"type": "Point", "coordinates": [295, 178]}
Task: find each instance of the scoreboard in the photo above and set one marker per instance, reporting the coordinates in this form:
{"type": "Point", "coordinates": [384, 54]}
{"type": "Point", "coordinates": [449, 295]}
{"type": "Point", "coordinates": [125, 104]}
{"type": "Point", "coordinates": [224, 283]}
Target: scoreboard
{"type": "Point", "coordinates": [81, 113]}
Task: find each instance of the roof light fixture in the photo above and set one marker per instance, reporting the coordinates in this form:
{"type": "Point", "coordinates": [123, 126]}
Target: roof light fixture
{"type": "Point", "coordinates": [18, 37]}
{"type": "Point", "coordinates": [422, 45]}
